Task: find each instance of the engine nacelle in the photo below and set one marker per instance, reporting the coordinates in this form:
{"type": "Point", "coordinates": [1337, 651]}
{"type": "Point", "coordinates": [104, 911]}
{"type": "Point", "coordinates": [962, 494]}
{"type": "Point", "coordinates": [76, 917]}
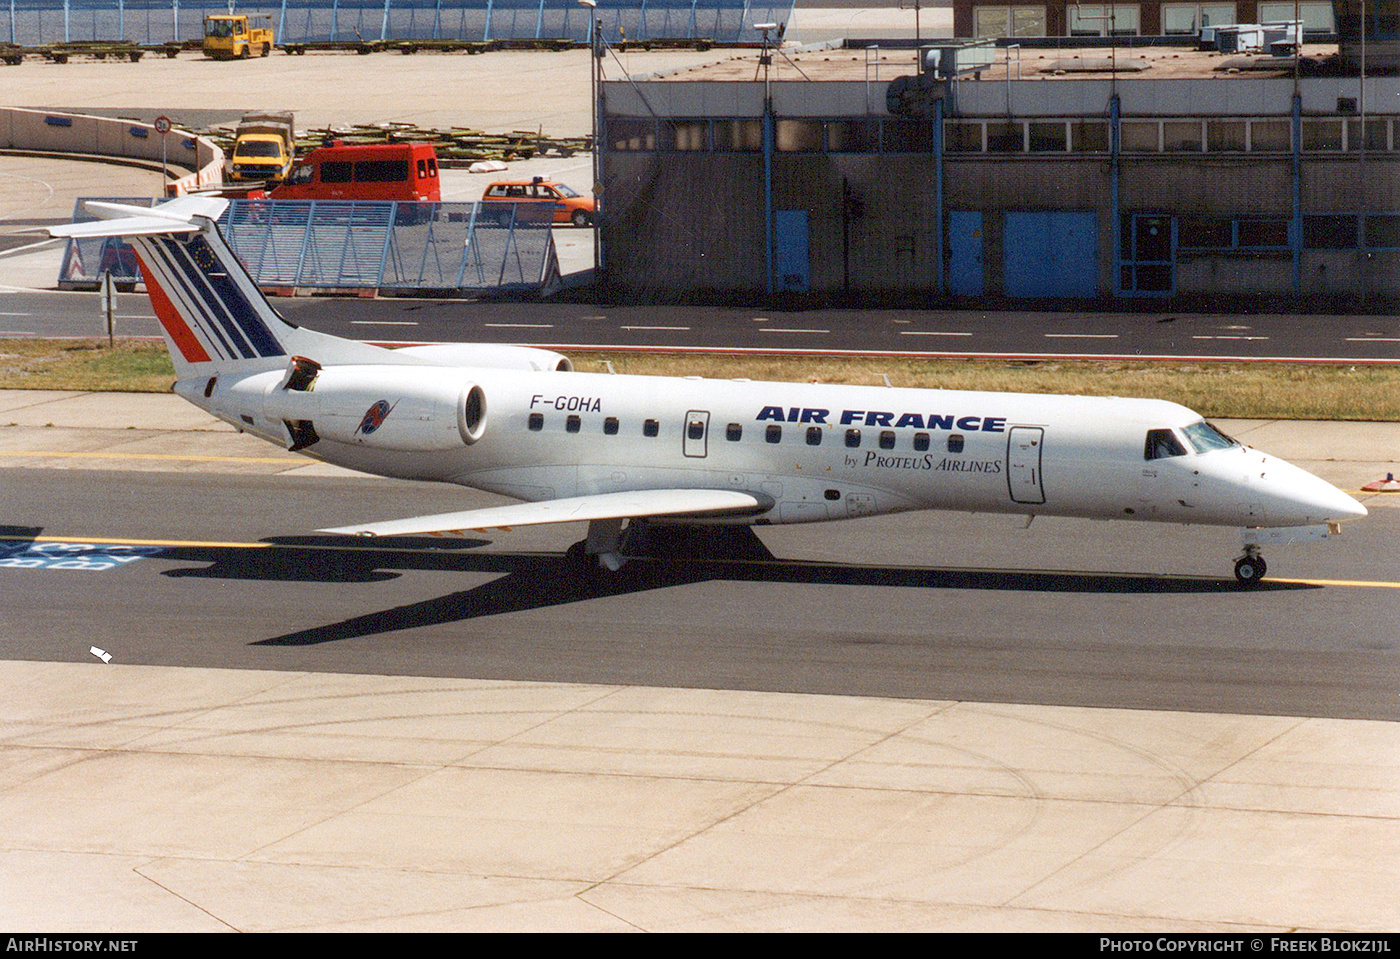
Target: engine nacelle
{"type": "Point", "coordinates": [494, 356]}
{"type": "Point", "coordinates": [406, 408]}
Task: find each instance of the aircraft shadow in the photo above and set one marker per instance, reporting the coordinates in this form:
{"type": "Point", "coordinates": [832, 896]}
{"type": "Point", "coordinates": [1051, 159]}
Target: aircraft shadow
{"type": "Point", "coordinates": [524, 581]}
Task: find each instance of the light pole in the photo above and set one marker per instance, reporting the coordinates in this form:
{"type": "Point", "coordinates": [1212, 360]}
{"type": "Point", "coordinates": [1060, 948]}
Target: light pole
{"type": "Point", "coordinates": [595, 30]}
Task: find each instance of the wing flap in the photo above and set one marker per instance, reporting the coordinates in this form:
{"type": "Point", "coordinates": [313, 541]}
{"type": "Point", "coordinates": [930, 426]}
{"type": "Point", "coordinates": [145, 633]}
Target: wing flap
{"type": "Point", "coordinates": [626, 505]}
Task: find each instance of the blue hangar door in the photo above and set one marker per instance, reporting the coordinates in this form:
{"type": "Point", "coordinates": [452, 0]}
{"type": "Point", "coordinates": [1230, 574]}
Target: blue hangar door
{"type": "Point", "coordinates": [1050, 255]}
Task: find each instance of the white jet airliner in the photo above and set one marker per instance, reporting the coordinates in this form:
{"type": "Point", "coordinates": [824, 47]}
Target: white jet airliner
{"type": "Point", "coordinates": [608, 449]}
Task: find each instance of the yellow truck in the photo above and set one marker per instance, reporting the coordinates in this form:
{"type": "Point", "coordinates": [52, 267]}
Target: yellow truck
{"type": "Point", "coordinates": [236, 37]}
{"type": "Point", "coordinates": [263, 148]}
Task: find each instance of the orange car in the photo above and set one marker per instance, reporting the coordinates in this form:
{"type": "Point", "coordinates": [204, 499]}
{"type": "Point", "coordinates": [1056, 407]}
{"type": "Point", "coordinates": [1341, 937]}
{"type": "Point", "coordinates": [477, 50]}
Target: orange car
{"type": "Point", "coordinates": [570, 206]}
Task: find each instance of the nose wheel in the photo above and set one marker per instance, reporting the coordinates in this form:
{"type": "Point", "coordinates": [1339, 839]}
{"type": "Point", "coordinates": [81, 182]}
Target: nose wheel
{"type": "Point", "coordinates": [1250, 568]}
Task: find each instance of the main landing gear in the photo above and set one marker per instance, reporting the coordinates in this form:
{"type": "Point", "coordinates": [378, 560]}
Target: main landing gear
{"type": "Point", "coordinates": [1250, 568]}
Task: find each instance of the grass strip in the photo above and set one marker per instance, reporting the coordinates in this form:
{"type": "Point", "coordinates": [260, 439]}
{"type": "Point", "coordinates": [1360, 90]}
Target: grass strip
{"type": "Point", "coordinates": [1235, 390]}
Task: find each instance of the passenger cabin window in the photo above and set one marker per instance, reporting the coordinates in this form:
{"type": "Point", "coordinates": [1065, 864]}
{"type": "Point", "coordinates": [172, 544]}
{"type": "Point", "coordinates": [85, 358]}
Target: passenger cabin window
{"type": "Point", "coordinates": [887, 439]}
{"type": "Point", "coordinates": [651, 428]}
{"type": "Point", "coordinates": [536, 422]}
{"type": "Point", "coordinates": [1161, 444]}
{"type": "Point", "coordinates": [381, 171]}
{"type": "Point", "coordinates": [734, 432]}
{"type": "Point", "coordinates": [573, 424]}
{"type": "Point", "coordinates": [773, 434]}
{"type": "Point", "coordinates": [955, 442]}
{"type": "Point", "coordinates": [336, 171]}
{"type": "Point", "coordinates": [853, 438]}
{"type": "Point", "coordinates": [610, 426]}
{"type": "Point", "coordinates": [921, 442]}
{"type": "Point", "coordinates": [814, 436]}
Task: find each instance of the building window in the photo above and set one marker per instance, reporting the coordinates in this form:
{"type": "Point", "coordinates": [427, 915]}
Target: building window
{"type": "Point", "coordinates": [908, 136]}
{"type": "Point", "coordinates": [1205, 233]}
{"type": "Point", "coordinates": [1089, 136]}
{"type": "Point", "coordinates": [962, 137]}
{"type": "Point", "coordinates": [629, 135]}
{"type": "Point", "coordinates": [853, 136]}
{"type": "Point", "coordinates": [1099, 20]}
{"type": "Point", "coordinates": [798, 136]}
{"type": "Point", "coordinates": [1382, 231]}
{"type": "Point", "coordinates": [1322, 136]}
{"type": "Point", "coordinates": [1329, 232]}
{"type": "Point", "coordinates": [1226, 136]}
{"type": "Point", "coordinates": [1182, 136]}
{"type": "Point", "coordinates": [738, 136]}
{"type": "Point", "coordinates": [688, 135]}
{"type": "Point", "coordinates": [1048, 136]}
{"type": "Point", "coordinates": [1317, 17]}
{"type": "Point", "coordinates": [1008, 21]}
{"type": "Point", "coordinates": [1006, 137]}
{"type": "Point", "coordinates": [1187, 19]}
{"type": "Point", "coordinates": [1271, 136]}
{"type": "Point", "coordinates": [1377, 136]}
{"type": "Point", "coordinates": [1140, 136]}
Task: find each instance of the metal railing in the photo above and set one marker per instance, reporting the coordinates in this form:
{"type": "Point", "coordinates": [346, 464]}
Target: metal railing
{"type": "Point", "coordinates": [392, 247]}
{"type": "Point", "coordinates": [37, 22]}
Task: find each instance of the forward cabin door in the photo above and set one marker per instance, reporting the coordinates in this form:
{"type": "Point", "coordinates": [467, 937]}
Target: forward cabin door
{"type": "Point", "coordinates": [697, 429]}
{"type": "Point", "coordinates": [1024, 445]}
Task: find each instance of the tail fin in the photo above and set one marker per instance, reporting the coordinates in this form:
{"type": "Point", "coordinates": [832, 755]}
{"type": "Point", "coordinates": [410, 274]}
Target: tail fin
{"type": "Point", "coordinates": [214, 317]}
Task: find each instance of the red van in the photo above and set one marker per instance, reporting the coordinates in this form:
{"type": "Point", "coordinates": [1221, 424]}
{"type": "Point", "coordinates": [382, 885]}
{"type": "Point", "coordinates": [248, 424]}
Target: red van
{"type": "Point", "coordinates": [394, 171]}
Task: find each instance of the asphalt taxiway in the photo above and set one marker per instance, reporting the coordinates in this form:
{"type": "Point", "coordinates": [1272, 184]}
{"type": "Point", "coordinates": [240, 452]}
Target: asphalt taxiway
{"type": "Point", "coordinates": [920, 722]}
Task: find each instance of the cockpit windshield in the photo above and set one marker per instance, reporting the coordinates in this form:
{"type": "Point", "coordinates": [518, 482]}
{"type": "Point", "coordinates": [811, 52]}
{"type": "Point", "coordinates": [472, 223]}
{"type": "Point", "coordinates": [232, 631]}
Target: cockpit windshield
{"type": "Point", "coordinates": [1162, 444]}
{"type": "Point", "coordinates": [1205, 437]}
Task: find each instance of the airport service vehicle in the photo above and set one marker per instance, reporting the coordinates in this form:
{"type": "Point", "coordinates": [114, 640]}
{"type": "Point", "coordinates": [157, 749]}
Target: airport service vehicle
{"type": "Point", "coordinates": [570, 206]}
{"type": "Point", "coordinates": [263, 147]}
{"type": "Point", "coordinates": [611, 450]}
{"type": "Point", "coordinates": [406, 172]}
{"type": "Point", "coordinates": [237, 36]}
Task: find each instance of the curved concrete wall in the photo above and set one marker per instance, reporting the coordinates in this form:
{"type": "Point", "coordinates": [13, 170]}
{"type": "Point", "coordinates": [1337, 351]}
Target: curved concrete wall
{"type": "Point", "coordinates": [49, 132]}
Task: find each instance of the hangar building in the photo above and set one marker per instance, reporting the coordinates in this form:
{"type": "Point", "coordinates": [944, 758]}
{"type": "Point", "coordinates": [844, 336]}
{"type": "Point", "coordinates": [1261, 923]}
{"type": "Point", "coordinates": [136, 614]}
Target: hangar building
{"type": "Point", "coordinates": [1067, 174]}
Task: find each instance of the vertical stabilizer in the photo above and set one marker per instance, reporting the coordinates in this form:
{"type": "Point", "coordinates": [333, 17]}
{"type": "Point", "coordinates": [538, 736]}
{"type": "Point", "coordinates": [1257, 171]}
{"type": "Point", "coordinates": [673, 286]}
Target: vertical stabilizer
{"type": "Point", "coordinates": [214, 317]}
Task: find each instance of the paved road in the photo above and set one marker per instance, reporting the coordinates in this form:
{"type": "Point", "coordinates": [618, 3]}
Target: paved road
{"type": "Point", "coordinates": [928, 606]}
{"type": "Point", "coordinates": [956, 332]}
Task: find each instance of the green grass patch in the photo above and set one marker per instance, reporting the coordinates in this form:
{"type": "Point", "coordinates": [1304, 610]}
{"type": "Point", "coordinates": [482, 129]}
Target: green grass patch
{"type": "Point", "coordinates": [1235, 390]}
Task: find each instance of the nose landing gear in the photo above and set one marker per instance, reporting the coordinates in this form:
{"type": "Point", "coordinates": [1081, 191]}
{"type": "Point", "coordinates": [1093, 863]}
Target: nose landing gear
{"type": "Point", "coordinates": [1250, 568]}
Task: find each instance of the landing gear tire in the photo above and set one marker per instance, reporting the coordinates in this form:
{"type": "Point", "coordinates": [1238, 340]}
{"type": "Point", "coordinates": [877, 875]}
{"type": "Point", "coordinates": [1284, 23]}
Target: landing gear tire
{"type": "Point", "coordinates": [1250, 570]}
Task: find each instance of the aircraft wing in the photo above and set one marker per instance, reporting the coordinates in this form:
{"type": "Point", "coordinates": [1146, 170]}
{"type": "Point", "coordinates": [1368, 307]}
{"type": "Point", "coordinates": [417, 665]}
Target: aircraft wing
{"type": "Point", "coordinates": [627, 505]}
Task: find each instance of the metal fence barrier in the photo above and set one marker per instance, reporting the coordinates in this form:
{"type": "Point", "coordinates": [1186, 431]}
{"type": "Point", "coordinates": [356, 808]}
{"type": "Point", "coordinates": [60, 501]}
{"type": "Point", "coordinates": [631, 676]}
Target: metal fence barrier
{"type": "Point", "coordinates": [391, 247]}
{"type": "Point", "coordinates": [37, 22]}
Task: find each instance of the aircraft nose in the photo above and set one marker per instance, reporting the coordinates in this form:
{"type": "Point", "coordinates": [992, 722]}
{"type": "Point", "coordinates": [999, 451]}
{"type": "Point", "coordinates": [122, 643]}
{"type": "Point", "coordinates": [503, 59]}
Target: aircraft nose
{"type": "Point", "coordinates": [1314, 500]}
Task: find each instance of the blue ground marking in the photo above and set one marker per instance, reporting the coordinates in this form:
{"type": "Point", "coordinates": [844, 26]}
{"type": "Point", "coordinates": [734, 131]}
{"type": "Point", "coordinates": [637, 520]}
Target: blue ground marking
{"type": "Point", "coordinates": [26, 554]}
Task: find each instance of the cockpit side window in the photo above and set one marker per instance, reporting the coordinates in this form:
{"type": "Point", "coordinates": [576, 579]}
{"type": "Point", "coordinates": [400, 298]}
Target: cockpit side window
{"type": "Point", "coordinates": [1161, 444]}
{"type": "Point", "coordinates": [1205, 437]}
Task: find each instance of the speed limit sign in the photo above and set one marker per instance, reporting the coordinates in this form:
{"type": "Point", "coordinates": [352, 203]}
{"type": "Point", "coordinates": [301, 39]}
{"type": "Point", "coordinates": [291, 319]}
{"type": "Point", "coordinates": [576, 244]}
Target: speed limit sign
{"type": "Point", "coordinates": [162, 124]}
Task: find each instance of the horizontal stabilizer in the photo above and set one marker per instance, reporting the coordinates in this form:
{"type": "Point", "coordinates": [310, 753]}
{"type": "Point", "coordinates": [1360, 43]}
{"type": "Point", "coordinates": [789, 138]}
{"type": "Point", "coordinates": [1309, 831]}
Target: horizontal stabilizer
{"type": "Point", "coordinates": [120, 219]}
{"type": "Point", "coordinates": [627, 505]}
